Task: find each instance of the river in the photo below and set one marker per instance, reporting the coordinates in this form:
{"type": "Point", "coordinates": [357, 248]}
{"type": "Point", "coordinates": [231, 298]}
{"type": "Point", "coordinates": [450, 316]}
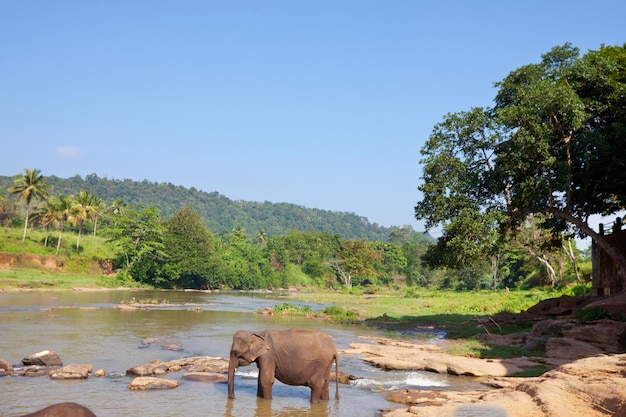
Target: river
{"type": "Point", "coordinates": [85, 327]}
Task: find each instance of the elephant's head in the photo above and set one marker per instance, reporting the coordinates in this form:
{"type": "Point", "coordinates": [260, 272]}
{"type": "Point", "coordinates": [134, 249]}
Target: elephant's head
{"type": "Point", "coordinates": [246, 348]}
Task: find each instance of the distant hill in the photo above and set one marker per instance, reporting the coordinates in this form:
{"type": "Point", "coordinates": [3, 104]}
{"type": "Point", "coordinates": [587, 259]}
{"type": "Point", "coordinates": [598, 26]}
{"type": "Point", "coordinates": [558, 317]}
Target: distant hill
{"type": "Point", "coordinates": [220, 213]}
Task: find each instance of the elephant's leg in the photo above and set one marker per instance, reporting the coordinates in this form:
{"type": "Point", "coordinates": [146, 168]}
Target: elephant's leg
{"type": "Point", "coordinates": [325, 396]}
{"type": "Point", "coordinates": [266, 379]}
{"type": "Point", "coordinates": [319, 389]}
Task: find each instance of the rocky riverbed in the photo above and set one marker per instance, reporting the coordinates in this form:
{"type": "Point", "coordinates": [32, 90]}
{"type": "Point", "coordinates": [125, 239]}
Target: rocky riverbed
{"type": "Point", "coordinates": [586, 362]}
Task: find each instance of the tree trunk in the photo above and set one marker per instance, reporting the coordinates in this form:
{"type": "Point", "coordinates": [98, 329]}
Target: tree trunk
{"type": "Point", "coordinates": [570, 254]}
{"type": "Point", "coordinates": [25, 224]}
{"type": "Point", "coordinates": [610, 250]}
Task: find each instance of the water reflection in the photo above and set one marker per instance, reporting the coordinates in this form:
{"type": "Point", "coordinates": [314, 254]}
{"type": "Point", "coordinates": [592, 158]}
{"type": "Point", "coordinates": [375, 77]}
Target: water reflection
{"type": "Point", "coordinates": [267, 408]}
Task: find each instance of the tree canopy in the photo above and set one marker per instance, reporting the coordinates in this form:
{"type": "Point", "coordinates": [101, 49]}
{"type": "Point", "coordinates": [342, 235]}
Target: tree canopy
{"type": "Point", "coordinates": [553, 145]}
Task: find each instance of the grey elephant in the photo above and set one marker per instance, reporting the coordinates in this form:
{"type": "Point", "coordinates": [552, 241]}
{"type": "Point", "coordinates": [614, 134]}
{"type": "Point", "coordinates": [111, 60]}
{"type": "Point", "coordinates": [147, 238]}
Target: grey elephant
{"type": "Point", "coordinates": [294, 357]}
{"type": "Point", "coordinates": [63, 410]}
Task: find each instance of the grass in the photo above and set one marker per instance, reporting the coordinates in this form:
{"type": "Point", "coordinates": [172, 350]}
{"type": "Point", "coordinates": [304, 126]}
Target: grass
{"type": "Point", "coordinates": [91, 247]}
{"type": "Point", "coordinates": [431, 308]}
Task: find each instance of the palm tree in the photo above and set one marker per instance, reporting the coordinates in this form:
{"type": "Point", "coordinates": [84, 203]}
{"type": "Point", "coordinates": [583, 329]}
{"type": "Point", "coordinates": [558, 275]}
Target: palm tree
{"type": "Point", "coordinates": [29, 186]}
{"type": "Point", "coordinates": [100, 209]}
{"type": "Point", "coordinates": [85, 207]}
{"type": "Point", "coordinates": [60, 213]}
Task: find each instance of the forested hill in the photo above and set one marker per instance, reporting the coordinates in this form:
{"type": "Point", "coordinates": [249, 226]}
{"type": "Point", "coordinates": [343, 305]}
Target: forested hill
{"type": "Point", "coordinates": [220, 213]}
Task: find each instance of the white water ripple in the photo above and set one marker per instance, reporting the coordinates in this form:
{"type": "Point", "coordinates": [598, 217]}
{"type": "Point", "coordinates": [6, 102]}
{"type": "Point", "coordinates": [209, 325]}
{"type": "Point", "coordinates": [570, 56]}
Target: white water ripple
{"type": "Point", "coordinates": [411, 380]}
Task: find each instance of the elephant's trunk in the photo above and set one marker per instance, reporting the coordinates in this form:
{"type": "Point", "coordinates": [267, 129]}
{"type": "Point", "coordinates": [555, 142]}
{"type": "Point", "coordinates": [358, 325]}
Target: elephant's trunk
{"type": "Point", "coordinates": [232, 365]}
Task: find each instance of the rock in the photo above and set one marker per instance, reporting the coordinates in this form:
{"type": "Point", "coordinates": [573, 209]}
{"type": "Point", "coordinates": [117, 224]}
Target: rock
{"type": "Point", "coordinates": [409, 356]}
{"type": "Point", "coordinates": [166, 345]}
{"type": "Point", "coordinates": [44, 358]}
{"type": "Point", "coordinates": [591, 387]}
{"type": "Point", "coordinates": [193, 364]}
{"type": "Point", "coordinates": [155, 367]}
{"type": "Point", "coordinates": [172, 346]}
{"type": "Point", "coordinates": [562, 306]}
{"type": "Point", "coordinates": [147, 382]}
{"type": "Point", "coordinates": [614, 306]}
{"type": "Point", "coordinates": [567, 338]}
{"type": "Point", "coordinates": [205, 377]}
{"type": "Point", "coordinates": [34, 371]}
{"type": "Point", "coordinates": [343, 377]}
{"type": "Point", "coordinates": [73, 371]}
{"type": "Point", "coordinates": [100, 373]}
{"type": "Point", "coordinates": [5, 366]}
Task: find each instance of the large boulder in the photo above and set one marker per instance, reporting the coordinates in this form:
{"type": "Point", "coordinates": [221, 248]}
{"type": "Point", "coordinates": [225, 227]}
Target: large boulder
{"type": "Point", "coordinates": [73, 371]}
{"type": "Point", "coordinates": [43, 358]}
{"type": "Point", "coordinates": [193, 364]}
{"type": "Point", "coordinates": [205, 377]}
{"type": "Point", "coordinates": [566, 339]}
{"type": "Point", "coordinates": [614, 306]}
{"type": "Point", "coordinates": [564, 305]}
{"type": "Point", "coordinates": [148, 382]}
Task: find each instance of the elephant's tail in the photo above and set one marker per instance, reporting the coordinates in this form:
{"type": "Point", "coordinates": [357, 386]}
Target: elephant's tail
{"type": "Point", "coordinates": [336, 376]}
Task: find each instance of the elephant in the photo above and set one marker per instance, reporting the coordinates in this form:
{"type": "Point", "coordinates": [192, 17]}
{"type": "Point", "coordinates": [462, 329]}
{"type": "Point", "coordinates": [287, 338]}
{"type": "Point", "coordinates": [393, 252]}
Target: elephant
{"type": "Point", "coordinates": [294, 357]}
{"type": "Point", "coordinates": [63, 410]}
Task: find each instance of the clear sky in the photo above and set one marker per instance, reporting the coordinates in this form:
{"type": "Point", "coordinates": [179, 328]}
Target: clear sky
{"type": "Point", "coordinates": [322, 103]}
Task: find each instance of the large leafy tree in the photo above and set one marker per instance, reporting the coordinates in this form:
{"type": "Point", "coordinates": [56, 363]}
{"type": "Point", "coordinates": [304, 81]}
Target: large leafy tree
{"type": "Point", "coordinates": [552, 145]}
{"type": "Point", "coordinates": [29, 186]}
{"type": "Point", "coordinates": [191, 249]}
{"type": "Point", "coordinates": [139, 232]}
{"type": "Point", "coordinates": [356, 259]}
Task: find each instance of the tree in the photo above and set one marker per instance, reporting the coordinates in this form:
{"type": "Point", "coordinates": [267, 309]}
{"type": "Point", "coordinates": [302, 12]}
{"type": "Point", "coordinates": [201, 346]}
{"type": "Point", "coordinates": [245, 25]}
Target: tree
{"type": "Point", "coordinates": [552, 145]}
{"type": "Point", "coordinates": [86, 208]}
{"type": "Point", "coordinates": [190, 248]}
{"type": "Point", "coordinates": [356, 258]}
{"type": "Point", "coordinates": [29, 185]}
{"type": "Point", "coordinates": [59, 211]}
{"type": "Point", "coordinates": [138, 232]}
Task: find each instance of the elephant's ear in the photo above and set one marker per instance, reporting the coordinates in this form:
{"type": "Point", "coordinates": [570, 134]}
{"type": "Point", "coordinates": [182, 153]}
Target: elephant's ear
{"type": "Point", "coordinates": [258, 345]}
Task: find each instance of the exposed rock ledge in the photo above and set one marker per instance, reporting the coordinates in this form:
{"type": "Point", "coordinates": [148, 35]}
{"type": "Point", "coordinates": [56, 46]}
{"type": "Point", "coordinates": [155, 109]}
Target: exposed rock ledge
{"type": "Point", "coordinates": [590, 387]}
{"type": "Point", "coordinates": [393, 354]}
{"type": "Point", "coordinates": [586, 362]}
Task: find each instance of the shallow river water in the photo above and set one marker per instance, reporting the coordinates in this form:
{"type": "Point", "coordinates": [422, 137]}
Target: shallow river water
{"type": "Point", "coordinates": [84, 327]}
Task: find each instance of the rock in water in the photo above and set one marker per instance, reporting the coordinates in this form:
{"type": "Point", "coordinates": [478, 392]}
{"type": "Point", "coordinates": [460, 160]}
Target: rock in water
{"type": "Point", "coordinates": [44, 358]}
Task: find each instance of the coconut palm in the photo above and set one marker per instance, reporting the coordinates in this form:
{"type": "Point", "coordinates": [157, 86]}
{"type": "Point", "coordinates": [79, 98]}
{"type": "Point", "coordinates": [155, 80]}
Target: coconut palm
{"type": "Point", "coordinates": [61, 212]}
{"type": "Point", "coordinates": [100, 210]}
{"type": "Point", "coordinates": [84, 208]}
{"type": "Point", "coordinates": [29, 186]}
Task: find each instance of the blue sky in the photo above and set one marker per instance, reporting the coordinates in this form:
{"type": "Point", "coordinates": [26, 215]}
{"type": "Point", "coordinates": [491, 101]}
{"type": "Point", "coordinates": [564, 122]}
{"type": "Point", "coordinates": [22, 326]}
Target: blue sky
{"type": "Point", "coordinates": [324, 104]}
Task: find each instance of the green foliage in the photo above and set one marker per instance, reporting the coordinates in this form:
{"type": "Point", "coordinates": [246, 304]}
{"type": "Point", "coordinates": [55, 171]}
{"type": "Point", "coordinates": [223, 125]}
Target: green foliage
{"type": "Point", "coordinates": [551, 149]}
{"type": "Point", "coordinates": [292, 310]}
{"type": "Point", "coordinates": [411, 292]}
{"type": "Point", "coordinates": [578, 289]}
{"type": "Point", "coordinates": [340, 314]}
{"type": "Point", "coordinates": [191, 252]}
{"type": "Point", "coordinates": [138, 233]}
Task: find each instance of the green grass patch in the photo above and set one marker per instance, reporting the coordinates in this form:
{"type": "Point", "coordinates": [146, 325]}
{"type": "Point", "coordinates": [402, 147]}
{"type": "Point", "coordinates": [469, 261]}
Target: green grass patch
{"type": "Point", "coordinates": [340, 314]}
{"type": "Point", "coordinates": [292, 310]}
{"type": "Point", "coordinates": [472, 348]}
